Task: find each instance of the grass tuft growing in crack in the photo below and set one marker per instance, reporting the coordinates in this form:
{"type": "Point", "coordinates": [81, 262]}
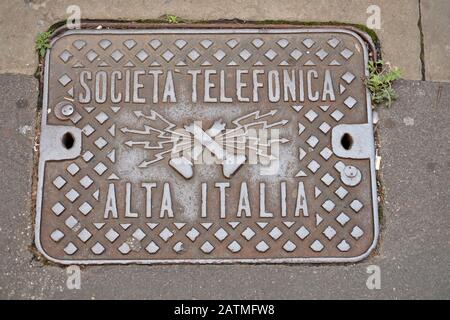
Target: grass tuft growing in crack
{"type": "Point", "coordinates": [43, 42]}
{"type": "Point", "coordinates": [172, 18]}
{"type": "Point", "coordinates": [379, 82]}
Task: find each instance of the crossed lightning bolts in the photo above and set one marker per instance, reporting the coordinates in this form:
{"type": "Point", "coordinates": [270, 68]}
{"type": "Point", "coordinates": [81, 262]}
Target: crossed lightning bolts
{"type": "Point", "coordinates": [193, 140]}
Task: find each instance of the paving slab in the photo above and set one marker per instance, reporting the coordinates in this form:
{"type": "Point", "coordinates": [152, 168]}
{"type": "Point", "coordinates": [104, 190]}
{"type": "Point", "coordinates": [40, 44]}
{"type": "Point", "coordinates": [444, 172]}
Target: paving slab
{"type": "Point", "coordinates": [399, 33]}
{"type": "Point", "coordinates": [412, 254]}
{"type": "Point", "coordinates": [436, 39]}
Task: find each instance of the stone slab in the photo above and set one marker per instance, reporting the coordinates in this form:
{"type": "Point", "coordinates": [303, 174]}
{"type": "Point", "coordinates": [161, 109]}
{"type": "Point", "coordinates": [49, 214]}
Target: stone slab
{"type": "Point", "coordinates": [399, 33]}
{"type": "Point", "coordinates": [415, 233]}
{"type": "Point", "coordinates": [436, 33]}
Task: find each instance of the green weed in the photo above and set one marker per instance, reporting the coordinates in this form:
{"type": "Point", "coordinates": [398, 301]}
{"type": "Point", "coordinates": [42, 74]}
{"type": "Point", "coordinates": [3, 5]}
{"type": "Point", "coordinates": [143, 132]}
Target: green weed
{"type": "Point", "coordinates": [43, 42]}
{"type": "Point", "coordinates": [379, 82]}
{"type": "Point", "coordinates": [172, 18]}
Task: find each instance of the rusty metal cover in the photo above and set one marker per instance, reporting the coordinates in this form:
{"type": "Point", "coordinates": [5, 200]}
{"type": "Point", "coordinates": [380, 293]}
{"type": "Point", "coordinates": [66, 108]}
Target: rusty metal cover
{"type": "Point", "coordinates": [206, 146]}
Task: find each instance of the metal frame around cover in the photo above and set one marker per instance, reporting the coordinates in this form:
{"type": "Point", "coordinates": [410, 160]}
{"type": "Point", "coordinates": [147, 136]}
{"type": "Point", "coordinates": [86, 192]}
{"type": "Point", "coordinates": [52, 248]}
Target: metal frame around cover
{"type": "Point", "coordinates": [206, 261]}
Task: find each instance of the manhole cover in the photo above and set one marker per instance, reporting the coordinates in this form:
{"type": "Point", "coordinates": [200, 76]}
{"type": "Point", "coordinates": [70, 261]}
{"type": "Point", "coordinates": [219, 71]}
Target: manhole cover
{"type": "Point", "coordinates": [206, 146]}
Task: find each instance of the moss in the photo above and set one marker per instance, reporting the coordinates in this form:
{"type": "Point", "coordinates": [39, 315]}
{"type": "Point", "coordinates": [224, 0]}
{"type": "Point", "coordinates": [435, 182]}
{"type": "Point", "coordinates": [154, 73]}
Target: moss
{"type": "Point", "coordinates": [369, 31]}
{"type": "Point", "coordinates": [168, 18]}
{"type": "Point", "coordinates": [361, 27]}
{"type": "Point", "coordinates": [56, 25]}
{"type": "Point", "coordinates": [159, 20]}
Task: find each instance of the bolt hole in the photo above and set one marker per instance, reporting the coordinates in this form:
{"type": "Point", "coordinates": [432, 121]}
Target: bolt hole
{"type": "Point", "coordinates": [346, 141]}
{"type": "Point", "coordinates": [68, 140]}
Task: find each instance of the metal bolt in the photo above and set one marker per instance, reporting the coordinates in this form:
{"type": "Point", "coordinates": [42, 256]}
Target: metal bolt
{"type": "Point", "coordinates": [351, 176]}
{"type": "Point", "coordinates": [67, 110]}
{"type": "Point", "coordinates": [350, 171]}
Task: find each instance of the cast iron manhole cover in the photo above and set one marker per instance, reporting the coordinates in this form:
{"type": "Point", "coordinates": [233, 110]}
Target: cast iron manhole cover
{"type": "Point", "coordinates": [206, 146]}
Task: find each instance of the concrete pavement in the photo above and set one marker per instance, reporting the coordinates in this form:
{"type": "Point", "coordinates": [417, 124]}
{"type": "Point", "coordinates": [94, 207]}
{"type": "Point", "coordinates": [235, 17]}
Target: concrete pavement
{"type": "Point", "coordinates": [398, 33]}
{"type": "Point", "coordinates": [413, 249]}
{"type": "Point", "coordinates": [436, 31]}
{"type": "Point", "coordinates": [415, 34]}
{"type": "Point", "coordinates": [412, 253]}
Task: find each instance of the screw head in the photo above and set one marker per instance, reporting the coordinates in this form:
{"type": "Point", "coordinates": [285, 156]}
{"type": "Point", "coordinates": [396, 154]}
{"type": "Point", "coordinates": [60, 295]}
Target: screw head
{"type": "Point", "coordinates": [351, 176]}
{"type": "Point", "coordinates": [67, 110]}
{"type": "Point", "coordinates": [350, 171]}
